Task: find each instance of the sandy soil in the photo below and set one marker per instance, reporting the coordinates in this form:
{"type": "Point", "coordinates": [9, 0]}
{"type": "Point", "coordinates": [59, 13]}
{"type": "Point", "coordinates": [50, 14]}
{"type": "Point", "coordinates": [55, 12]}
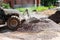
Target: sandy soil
{"type": "Point", "coordinates": [49, 12]}
{"type": "Point", "coordinates": [42, 30]}
{"type": "Point", "coordinates": [51, 31]}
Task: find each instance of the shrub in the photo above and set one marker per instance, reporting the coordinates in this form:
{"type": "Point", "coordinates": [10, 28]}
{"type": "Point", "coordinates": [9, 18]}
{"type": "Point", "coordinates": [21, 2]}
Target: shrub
{"type": "Point", "coordinates": [23, 9]}
{"type": "Point", "coordinates": [4, 5]}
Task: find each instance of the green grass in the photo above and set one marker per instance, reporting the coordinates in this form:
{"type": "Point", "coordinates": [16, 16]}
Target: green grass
{"type": "Point", "coordinates": [4, 5]}
{"type": "Point", "coordinates": [51, 6]}
{"type": "Point", "coordinates": [39, 8]}
{"type": "Point", "coordinates": [21, 9]}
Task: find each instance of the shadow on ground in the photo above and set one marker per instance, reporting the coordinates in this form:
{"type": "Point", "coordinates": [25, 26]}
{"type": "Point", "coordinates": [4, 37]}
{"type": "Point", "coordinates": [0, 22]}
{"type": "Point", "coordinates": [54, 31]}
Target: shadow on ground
{"type": "Point", "coordinates": [4, 29]}
{"type": "Point", "coordinates": [34, 27]}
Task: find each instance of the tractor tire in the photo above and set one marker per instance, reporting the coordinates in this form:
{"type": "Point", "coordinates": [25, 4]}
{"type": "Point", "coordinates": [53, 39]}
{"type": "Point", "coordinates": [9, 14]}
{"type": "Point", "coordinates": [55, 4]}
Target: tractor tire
{"type": "Point", "coordinates": [13, 23]}
{"type": "Point", "coordinates": [1, 22]}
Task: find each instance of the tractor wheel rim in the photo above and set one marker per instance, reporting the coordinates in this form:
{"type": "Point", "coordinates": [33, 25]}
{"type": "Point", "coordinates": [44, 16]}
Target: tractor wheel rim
{"type": "Point", "coordinates": [13, 23]}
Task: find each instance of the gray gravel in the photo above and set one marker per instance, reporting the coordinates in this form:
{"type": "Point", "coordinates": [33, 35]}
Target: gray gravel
{"type": "Point", "coordinates": [42, 30]}
{"type": "Point", "coordinates": [42, 25]}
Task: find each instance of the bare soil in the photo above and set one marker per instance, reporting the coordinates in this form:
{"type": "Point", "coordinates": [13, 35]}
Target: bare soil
{"type": "Point", "coordinates": [42, 30]}
{"type": "Point", "coordinates": [45, 29]}
{"type": "Point", "coordinates": [49, 12]}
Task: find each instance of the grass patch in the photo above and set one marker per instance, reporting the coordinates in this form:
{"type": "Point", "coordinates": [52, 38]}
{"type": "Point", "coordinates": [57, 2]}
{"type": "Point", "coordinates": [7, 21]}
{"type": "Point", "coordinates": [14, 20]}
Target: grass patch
{"type": "Point", "coordinates": [21, 9]}
{"type": "Point", "coordinates": [51, 6]}
{"type": "Point", "coordinates": [4, 5]}
{"type": "Point", "coordinates": [39, 8]}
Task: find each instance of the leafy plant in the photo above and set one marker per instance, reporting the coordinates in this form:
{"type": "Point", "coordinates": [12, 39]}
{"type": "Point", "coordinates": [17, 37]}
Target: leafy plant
{"type": "Point", "coordinates": [4, 5]}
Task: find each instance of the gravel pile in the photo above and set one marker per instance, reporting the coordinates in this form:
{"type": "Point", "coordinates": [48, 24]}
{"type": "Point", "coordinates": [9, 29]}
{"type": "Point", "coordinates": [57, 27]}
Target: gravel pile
{"type": "Point", "coordinates": [39, 25]}
{"type": "Point", "coordinates": [55, 17]}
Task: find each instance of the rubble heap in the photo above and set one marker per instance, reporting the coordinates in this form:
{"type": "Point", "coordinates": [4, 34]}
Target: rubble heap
{"type": "Point", "coordinates": [55, 17]}
{"type": "Point", "coordinates": [38, 26]}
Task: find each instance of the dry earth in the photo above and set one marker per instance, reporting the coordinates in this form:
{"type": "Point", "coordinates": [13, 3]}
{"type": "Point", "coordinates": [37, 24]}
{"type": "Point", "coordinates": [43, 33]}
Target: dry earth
{"type": "Point", "coordinates": [43, 30]}
{"type": "Point", "coordinates": [49, 12]}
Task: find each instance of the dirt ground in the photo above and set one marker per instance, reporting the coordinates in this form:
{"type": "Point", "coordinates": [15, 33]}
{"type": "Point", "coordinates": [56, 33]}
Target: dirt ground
{"type": "Point", "coordinates": [49, 12]}
{"type": "Point", "coordinates": [43, 30]}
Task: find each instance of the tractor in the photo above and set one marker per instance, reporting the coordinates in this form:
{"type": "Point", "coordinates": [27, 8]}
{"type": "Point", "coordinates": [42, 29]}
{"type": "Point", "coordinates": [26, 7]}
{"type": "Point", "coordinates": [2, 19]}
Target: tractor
{"type": "Point", "coordinates": [9, 17]}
